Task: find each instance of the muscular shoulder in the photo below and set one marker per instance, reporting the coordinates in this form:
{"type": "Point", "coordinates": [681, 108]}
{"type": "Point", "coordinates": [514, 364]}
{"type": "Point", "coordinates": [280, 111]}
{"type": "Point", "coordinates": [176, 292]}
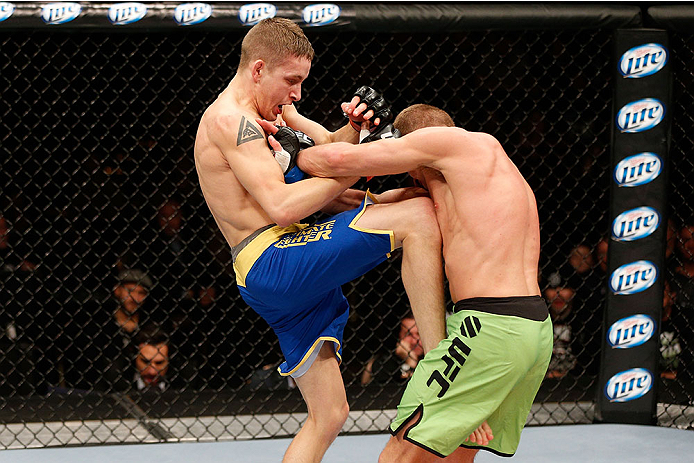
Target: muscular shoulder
{"type": "Point", "coordinates": [472, 145]}
{"type": "Point", "coordinates": [479, 139]}
{"type": "Point", "coordinates": [233, 129]}
{"type": "Point", "coordinates": [453, 142]}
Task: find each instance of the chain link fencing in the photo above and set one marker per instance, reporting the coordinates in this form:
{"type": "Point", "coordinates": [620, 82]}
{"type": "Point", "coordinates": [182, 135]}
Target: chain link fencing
{"type": "Point", "coordinates": [99, 191]}
{"type": "Point", "coordinates": [677, 329]}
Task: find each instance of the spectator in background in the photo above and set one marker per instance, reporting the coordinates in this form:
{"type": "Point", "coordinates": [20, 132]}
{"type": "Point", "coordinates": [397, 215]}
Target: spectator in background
{"type": "Point", "coordinates": [581, 259]}
{"type": "Point", "coordinates": [587, 305]}
{"type": "Point", "coordinates": [158, 365]}
{"type": "Point", "coordinates": [265, 378]}
{"type": "Point", "coordinates": [574, 294]}
{"type": "Point", "coordinates": [682, 286]}
{"type": "Point", "coordinates": [99, 338]}
{"type": "Point", "coordinates": [131, 292]}
{"type": "Point", "coordinates": [171, 254]}
{"type": "Point", "coordinates": [685, 246]}
{"type": "Point", "coordinates": [601, 254]}
{"type": "Point", "coordinates": [560, 298]}
{"type": "Point", "coordinates": [676, 299]}
{"type": "Point", "coordinates": [399, 367]}
{"type": "Point", "coordinates": [152, 359]}
{"type": "Point", "coordinates": [670, 347]}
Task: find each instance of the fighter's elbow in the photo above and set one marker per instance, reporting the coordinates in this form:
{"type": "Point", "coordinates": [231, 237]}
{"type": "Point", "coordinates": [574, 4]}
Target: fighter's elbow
{"type": "Point", "coordinates": [284, 222]}
{"type": "Point", "coordinates": [337, 159]}
{"type": "Point", "coordinates": [282, 216]}
{"type": "Point", "coordinates": [306, 163]}
{"type": "Point", "coordinates": [323, 161]}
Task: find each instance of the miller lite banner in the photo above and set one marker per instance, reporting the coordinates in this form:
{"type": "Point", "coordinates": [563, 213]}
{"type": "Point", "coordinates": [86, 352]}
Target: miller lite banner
{"type": "Point", "coordinates": [638, 227]}
{"type": "Point", "coordinates": [161, 15]}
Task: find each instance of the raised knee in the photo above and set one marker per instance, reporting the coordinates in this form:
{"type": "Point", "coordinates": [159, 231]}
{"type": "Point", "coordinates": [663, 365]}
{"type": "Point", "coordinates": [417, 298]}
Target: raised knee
{"type": "Point", "coordinates": [424, 218]}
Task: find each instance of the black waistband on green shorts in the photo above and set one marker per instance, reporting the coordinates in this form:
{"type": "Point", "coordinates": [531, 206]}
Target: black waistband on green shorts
{"type": "Point", "coordinates": [530, 307]}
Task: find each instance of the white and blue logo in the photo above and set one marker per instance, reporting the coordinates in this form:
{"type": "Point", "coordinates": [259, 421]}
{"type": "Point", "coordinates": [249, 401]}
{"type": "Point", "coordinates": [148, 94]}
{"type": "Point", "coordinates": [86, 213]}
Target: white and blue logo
{"type": "Point", "coordinates": [321, 14]}
{"type": "Point", "coordinates": [638, 169]}
{"type": "Point", "coordinates": [6, 10]}
{"type": "Point", "coordinates": [631, 331]}
{"type": "Point", "coordinates": [640, 115]}
{"type": "Point", "coordinates": [629, 385]}
{"type": "Point", "coordinates": [60, 13]}
{"type": "Point", "coordinates": [635, 224]}
{"type": "Point", "coordinates": [634, 277]}
{"type": "Point", "coordinates": [121, 14]}
{"type": "Point", "coordinates": [253, 13]}
{"type": "Point", "coordinates": [188, 14]}
{"type": "Point", "coordinates": [643, 60]}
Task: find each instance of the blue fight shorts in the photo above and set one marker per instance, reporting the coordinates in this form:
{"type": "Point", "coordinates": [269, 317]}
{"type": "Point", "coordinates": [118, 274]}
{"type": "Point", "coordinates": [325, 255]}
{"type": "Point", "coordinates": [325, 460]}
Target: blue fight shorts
{"type": "Point", "coordinates": [292, 277]}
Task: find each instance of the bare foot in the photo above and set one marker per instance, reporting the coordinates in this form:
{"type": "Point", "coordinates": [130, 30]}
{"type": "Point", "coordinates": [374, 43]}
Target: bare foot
{"type": "Point", "coordinates": [482, 435]}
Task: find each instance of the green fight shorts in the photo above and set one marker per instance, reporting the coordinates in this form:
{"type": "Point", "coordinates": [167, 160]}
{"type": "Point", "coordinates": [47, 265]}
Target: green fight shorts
{"type": "Point", "coordinates": [489, 368]}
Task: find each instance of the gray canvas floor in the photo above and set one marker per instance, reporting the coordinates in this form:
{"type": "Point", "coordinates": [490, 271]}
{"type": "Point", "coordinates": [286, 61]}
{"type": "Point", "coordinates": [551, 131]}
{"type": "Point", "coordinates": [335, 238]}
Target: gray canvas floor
{"type": "Point", "coordinates": [595, 443]}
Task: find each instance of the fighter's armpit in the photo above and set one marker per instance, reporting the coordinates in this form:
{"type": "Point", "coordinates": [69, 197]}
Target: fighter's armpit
{"type": "Point", "coordinates": [248, 132]}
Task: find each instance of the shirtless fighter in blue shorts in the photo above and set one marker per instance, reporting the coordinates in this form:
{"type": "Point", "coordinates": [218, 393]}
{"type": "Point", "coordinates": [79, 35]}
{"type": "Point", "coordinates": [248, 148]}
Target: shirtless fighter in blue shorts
{"type": "Point", "coordinates": [290, 273]}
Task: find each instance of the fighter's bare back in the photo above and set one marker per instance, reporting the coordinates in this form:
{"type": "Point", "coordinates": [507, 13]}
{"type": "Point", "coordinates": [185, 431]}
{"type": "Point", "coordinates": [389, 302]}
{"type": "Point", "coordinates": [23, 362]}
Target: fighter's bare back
{"type": "Point", "coordinates": [489, 223]}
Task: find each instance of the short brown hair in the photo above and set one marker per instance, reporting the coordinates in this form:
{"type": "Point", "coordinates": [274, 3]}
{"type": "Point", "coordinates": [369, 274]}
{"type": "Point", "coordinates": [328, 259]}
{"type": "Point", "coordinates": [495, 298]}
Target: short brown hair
{"type": "Point", "coordinates": [421, 115]}
{"type": "Point", "coordinates": [273, 40]}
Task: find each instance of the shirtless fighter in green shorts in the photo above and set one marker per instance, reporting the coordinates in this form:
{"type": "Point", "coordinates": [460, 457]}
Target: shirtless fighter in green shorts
{"type": "Point", "coordinates": [500, 336]}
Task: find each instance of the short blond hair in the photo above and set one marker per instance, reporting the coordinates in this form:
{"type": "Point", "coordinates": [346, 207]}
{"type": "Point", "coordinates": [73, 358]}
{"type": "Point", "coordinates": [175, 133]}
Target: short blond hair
{"type": "Point", "coordinates": [273, 40]}
{"type": "Point", "coordinates": [421, 115]}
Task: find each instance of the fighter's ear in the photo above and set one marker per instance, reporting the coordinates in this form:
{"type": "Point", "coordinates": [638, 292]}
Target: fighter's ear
{"type": "Point", "coordinates": [257, 69]}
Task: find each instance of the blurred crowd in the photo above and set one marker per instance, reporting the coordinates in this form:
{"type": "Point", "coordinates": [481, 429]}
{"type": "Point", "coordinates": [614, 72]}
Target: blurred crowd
{"type": "Point", "coordinates": [157, 309]}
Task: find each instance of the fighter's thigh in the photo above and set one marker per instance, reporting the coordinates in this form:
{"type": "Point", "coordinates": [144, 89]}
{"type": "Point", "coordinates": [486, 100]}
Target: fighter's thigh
{"type": "Point", "coordinates": [336, 255]}
{"type": "Point", "coordinates": [512, 413]}
{"type": "Point", "coordinates": [322, 386]}
{"type": "Point", "coordinates": [437, 395]}
{"type": "Point", "coordinates": [459, 384]}
{"type": "Point", "coordinates": [415, 215]}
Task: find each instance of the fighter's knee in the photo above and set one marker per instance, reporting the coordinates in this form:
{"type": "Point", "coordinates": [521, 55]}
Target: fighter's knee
{"type": "Point", "coordinates": [343, 413]}
{"type": "Point", "coordinates": [422, 204]}
{"type": "Point", "coordinates": [335, 418]}
{"type": "Point", "coordinates": [389, 454]}
{"type": "Point", "coordinates": [384, 457]}
{"type": "Point", "coordinates": [423, 214]}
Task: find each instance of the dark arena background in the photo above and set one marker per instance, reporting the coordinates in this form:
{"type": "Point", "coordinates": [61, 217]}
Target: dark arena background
{"type": "Point", "coordinates": [97, 180]}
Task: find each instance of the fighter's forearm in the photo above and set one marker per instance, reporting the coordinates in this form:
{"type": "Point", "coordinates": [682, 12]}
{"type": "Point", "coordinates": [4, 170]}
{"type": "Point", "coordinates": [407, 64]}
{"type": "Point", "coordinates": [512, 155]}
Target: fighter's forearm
{"type": "Point", "coordinates": [304, 198]}
{"type": "Point", "coordinates": [326, 161]}
{"type": "Point", "coordinates": [345, 201]}
{"type": "Point", "coordinates": [346, 134]}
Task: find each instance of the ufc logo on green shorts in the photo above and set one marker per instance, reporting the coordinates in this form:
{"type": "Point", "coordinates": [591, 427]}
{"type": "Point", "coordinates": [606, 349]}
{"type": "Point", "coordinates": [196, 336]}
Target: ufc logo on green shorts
{"type": "Point", "coordinates": [458, 351]}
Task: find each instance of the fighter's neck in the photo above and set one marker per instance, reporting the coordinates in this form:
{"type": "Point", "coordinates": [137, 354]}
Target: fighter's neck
{"type": "Point", "coordinates": [240, 93]}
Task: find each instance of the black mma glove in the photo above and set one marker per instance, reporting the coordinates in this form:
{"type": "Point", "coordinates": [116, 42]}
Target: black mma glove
{"type": "Point", "coordinates": [374, 101]}
{"type": "Point", "coordinates": [380, 132]}
{"type": "Point", "coordinates": [292, 141]}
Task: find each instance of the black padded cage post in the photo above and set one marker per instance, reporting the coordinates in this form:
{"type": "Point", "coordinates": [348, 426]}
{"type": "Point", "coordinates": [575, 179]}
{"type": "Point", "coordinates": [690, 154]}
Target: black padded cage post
{"type": "Point", "coordinates": [638, 229]}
